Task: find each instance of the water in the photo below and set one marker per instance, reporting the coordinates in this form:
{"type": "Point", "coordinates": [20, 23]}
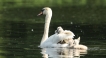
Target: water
{"type": "Point", "coordinates": [21, 32]}
{"type": "Point", "coordinates": [21, 40]}
{"type": "Point", "coordinates": [62, 52]}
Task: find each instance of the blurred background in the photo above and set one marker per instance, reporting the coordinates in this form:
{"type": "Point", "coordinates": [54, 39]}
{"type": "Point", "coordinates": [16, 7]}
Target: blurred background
{"type": "Point", "coordinates": [19, 17]}
{"type": "Point", "coordinates": [74, 11]}
{"type": "Point", "coordinates": [21, 29]}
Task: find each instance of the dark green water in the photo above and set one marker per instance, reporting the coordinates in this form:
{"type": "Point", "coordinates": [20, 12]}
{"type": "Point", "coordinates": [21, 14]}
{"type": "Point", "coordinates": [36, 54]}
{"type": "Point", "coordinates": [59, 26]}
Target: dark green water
{"type": "Point", "coordinates": [21, 30]}
{"type": "Point", "coordinates": [21, 40]}
{"type": "Point", "coordinates": [73, 14]}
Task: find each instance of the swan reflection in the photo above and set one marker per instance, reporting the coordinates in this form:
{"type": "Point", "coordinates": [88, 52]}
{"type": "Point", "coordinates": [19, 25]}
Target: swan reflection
{"type": "Point", "coordinates": [62, 53]}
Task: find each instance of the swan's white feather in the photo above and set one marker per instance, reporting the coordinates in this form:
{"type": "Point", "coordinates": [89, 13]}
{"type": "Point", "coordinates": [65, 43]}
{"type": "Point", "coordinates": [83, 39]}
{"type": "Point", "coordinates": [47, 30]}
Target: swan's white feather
{"type": "Point", "coordinates": [54, 39]}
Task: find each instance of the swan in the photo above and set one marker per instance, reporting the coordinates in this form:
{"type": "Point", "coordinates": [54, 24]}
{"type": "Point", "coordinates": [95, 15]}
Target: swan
{"type": "Point", "coordinates": [76, 45]}
{"type": "Point", "coordinates": [60, 34]}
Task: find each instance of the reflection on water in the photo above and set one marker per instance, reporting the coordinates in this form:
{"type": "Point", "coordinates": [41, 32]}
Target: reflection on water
{"type": "Point", "coordinates": [62, 53]}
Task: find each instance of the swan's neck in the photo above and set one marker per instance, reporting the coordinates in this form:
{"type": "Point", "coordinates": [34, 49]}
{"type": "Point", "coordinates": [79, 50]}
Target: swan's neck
{"type": "Point", "coordinates": [46, 27]}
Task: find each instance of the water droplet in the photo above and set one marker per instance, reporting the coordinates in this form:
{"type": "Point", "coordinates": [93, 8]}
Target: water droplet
{"type": "Point", "coordinates": [31, 29]}
{"type": "Point", "coordinates": [71, 22]}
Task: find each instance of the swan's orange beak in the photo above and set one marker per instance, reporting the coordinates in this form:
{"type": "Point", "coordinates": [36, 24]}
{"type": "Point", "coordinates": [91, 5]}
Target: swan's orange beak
{"type": "Point", "coordinates": [41, 13]}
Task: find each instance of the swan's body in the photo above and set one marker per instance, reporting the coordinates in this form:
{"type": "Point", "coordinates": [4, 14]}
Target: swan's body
{"type": "Point", "coordinates": [60, 34]}
{"type": "Point", "coordinates": [76, 45]}
{"type": "Point", "coordinates": [53, 40]}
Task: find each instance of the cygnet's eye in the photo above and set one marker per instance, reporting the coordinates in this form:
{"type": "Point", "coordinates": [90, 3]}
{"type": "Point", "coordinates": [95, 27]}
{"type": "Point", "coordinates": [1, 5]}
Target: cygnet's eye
{"type": "Point", "coordinates": [42, 10]}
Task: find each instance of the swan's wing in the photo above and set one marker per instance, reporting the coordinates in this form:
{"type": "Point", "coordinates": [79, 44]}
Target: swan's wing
{"type": "Point", "coordinates": [52, 40]}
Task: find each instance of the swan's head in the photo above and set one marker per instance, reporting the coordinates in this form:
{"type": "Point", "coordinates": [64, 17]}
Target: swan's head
{"type": "Point", "coordinates": [45, 11]}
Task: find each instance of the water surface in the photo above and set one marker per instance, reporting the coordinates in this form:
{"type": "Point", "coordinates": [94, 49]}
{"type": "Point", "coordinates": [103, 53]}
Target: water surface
{"type": "Point", "coordinates": [21, 31]}
{"type": "Point", "coordinates": [21, 40]}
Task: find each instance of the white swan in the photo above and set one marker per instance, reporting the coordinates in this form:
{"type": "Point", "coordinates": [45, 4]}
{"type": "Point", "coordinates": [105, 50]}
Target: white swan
{"type": "Point", "coordinates": [53, 40]}
{"type": "Point", "coordinates": [76, 45]}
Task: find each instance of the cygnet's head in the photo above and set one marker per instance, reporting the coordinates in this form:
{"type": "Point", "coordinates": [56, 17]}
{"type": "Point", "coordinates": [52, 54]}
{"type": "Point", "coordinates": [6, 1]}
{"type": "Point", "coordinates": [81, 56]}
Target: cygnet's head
{"type": "Point", "coordinates": [76, 41]}
{"type": "Point", "coordinates": [45, 11]}
{"type": "Point", "coordinates": [59, 30]}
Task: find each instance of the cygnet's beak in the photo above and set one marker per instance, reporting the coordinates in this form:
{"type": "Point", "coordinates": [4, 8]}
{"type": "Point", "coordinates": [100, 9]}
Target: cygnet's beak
{"type": "Point", "coordinates": [41, 13]}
